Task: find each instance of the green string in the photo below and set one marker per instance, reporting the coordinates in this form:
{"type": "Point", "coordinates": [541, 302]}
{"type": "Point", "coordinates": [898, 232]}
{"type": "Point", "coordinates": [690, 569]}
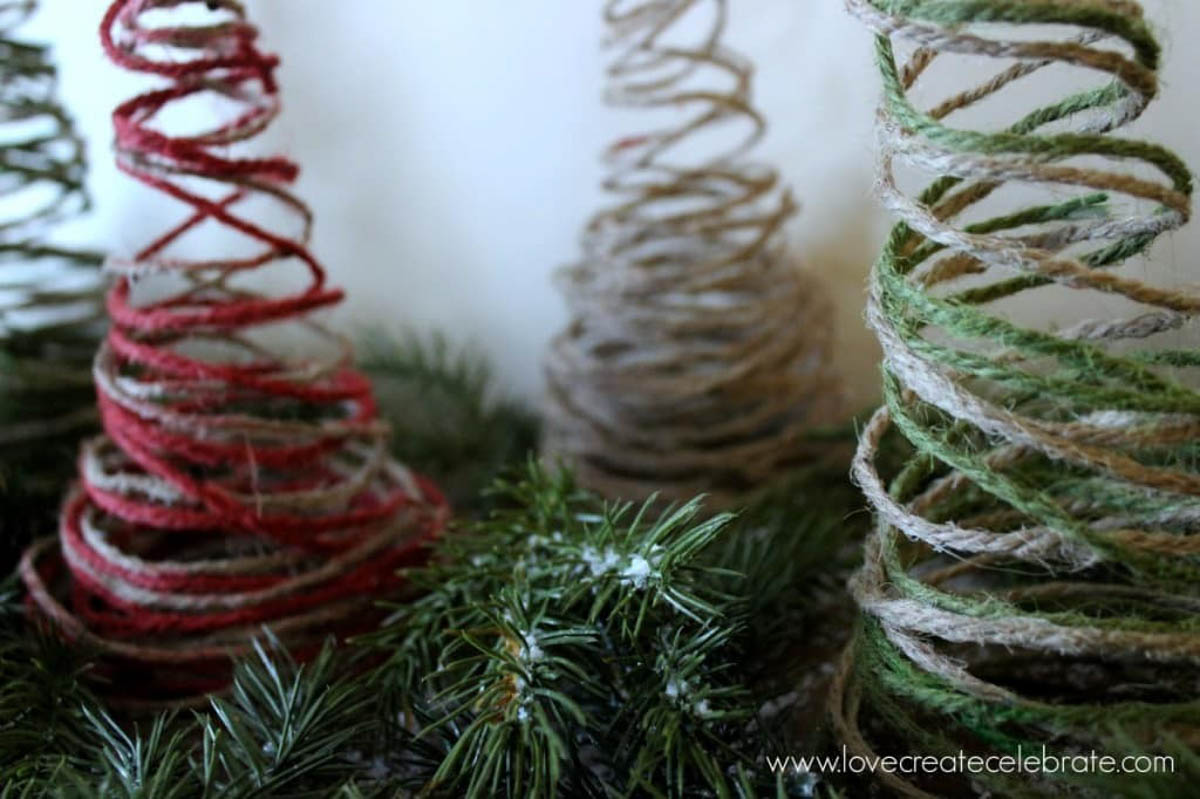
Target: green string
{"type": "Point", "coordinates": [49, 332]}
{"type": "Point", "coordinates": [951, 327]}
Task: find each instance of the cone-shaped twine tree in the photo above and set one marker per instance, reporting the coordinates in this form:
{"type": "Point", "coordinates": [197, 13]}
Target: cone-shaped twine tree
{"type": "Point", "coordinates": [237, 484]}
{"type": "Point", "coordinates": [1033, 580]}
{"type": "Point", "coordinates": [50, 297]}
{"type": "Point", "coordinates": [697, 354]}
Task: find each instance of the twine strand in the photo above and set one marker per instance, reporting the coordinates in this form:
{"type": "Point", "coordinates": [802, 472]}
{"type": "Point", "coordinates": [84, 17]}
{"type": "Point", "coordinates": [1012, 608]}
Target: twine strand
{"type": "Point", "coordinates": [684, 368]}
{"type": "Point", "coordinates": [1046, 526]}
{"type": "Point", "coordinates": [237, 484]}
{"type": "Point", "coordinates": [50, 296]}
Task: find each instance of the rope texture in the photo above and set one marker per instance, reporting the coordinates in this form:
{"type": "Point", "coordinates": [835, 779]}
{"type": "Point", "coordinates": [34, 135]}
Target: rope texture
{"type": "Point", "coordinates": [1033, 578]}
{"type": "Point", "coordinates": [697, 354]}
{"type": "Point", "coordinates": [239, 483]}
{"type": "Point", "coordinates": [50, 297]}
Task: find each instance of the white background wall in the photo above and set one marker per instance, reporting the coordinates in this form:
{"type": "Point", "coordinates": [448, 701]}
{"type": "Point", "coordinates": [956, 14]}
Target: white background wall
{"type": "Point", "coordinates": [450, 150]}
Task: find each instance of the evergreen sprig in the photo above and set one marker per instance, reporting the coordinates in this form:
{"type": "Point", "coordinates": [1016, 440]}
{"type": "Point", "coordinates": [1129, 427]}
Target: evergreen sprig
{"type": "Point", "coordinates": [447, 418]}
{"type": "Point", "coordinates": [133, 765]}
{"type": "Point", "coordinates": [566, 646]}
{"type": "Point", "coordinates": [43, 726]}
{"type": "Point", "coordinates": [284, 731]}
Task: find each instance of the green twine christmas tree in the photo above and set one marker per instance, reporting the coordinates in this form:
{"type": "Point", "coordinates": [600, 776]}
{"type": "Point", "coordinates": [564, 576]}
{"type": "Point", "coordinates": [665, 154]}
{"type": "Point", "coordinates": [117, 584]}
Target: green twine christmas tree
{"type": "Point", "coordinates": [49, 296]}
{"type": "Point", "coordinates": [1033, 578]}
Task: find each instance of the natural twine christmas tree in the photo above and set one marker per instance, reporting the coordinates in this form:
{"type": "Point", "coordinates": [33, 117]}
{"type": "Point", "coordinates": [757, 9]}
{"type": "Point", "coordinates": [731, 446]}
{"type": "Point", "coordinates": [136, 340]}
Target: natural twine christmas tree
{"type": "Point", "coordinates": [1032, 581]}
{"type": "Point", "coordinates": [50, 298]}
{"type": "Point", "coordinates": [697, 355]}
{"type": "Point", "coordinates": [238, 484]}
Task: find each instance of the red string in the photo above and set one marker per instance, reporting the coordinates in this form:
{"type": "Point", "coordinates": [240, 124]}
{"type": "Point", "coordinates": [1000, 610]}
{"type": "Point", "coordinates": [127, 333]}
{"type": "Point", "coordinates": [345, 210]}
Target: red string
{"type": "Point", "coordinates": [201, 450]}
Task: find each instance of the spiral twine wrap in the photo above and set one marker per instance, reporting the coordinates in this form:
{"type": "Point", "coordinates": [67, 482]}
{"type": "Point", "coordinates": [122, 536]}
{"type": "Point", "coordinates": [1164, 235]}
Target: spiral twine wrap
{"type": "Point", "coordinates": [50, 297]}
{"type": "Point", "coordinates": [696, 355]}
{"type": "Point", "coordinates": [1033, 576]}
{"type": "Point", "coordinates": [237, 486]}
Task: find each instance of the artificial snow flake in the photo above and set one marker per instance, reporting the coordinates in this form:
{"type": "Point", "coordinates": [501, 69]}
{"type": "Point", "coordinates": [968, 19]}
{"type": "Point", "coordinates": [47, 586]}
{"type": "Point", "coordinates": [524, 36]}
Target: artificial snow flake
{"type": "Point", "coordinates": [532, 651]}
{"type": "Point", "coordinates": [637, 572]}
{"type": "Point", "coordinates": [600, 562]}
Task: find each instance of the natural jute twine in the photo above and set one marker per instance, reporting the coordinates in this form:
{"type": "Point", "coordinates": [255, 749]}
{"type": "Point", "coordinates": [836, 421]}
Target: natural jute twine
{"type": "Point", "coordinates": [243, 479]}
{"type": "Point", "coordinates": [1033, 578]}
{"type": "Point", "coordinates": [697, 354]}
{"type": "Point", "coordinates": [50, 297]}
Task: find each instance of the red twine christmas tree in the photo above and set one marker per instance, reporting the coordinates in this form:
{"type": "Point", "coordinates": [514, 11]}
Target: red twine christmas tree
{"type": "Point", "coordinates": [236, 486]}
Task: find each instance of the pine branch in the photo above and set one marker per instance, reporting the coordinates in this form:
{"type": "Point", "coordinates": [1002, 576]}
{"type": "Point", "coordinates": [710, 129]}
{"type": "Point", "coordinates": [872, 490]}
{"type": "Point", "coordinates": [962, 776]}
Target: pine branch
{"type": "Point", "coordinates": [285, 730]}
{"type": "Point", "coordinates": [153, 766]}
{"type": "Point", "coordinates": [566, 646]}
{"type": "Point", "coordinates": [447, 421]}
{"type": "Point", "coordinates": [796, 544]}
{"type": "Point", "coordinates": [44, 729]}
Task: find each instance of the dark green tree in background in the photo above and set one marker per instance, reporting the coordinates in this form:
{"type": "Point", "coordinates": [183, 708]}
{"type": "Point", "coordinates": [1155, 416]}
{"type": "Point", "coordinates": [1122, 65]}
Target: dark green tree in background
{"type": "Point", "coordinates": [50, 304]}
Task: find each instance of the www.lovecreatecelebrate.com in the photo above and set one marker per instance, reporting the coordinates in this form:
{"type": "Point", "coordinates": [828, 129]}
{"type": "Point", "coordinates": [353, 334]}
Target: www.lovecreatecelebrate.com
{"type": "Point", "coordinates": [1022, 762]}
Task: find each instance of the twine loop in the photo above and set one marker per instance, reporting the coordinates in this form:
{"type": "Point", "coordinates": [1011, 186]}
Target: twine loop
{"type": "Point", "coordinates": [243, 478]}
{"type": "Point", "coordinates": [1046, 525]}
{"type": "Point", "coordinates": [50, 296]}
{"type": "Point", "coordinates": [683, 369]}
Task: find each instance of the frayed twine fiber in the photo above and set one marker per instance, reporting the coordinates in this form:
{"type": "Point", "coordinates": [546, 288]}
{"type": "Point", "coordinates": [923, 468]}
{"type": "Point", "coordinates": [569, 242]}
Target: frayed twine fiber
{"type": "Point", "coordinates": [1033, 578]}
{"type": "Point", "coordinates": [237, 485]}
{"type": "Point", "coordinates": [50, 297]}
{"type": "Point", "coordinates": [697, 354]}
